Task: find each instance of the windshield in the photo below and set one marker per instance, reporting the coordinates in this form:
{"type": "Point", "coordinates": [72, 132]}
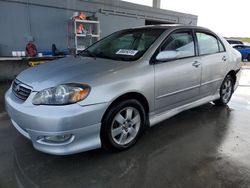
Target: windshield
{"type": "Point", "coordinates": [125, 45]}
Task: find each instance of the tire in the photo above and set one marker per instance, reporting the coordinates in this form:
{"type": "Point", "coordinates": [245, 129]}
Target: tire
{"type": "Point", "coordinates": [248, 57]}
{"type": "Point", "coordinates": [226, 91]}
{"type": "Point", "coordinates": [122, 125]}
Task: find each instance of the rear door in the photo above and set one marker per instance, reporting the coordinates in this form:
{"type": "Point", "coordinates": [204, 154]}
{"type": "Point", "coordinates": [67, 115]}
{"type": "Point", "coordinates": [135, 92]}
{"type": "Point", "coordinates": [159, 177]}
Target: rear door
{"type": "Point", "coordinates": [177, 81]}
{"type": "Point", "coordinates": [213, 58]}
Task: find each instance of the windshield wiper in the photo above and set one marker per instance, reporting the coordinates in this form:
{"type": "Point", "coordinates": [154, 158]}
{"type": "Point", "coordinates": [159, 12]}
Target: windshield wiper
{"type": "Point", "coordinates": [122, 59]}
{"type": "Point", "coordinates": [102, 55]}
{"type": "Point", "coordinates": [87, 53]}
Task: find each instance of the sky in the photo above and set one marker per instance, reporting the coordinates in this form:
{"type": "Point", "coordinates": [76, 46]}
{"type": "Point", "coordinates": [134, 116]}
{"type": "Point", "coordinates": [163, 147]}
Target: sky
{"type": "Point", "coordinates": [229, 18]}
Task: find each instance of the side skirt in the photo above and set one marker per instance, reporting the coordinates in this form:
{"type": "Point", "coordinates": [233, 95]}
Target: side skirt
{"type": "Point", "coordinates": [157, 118]}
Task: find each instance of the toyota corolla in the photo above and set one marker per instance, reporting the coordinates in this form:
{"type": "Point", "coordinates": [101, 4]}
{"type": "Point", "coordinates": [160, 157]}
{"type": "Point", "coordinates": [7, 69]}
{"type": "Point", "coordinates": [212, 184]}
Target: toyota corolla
{"type": "Point", "coordinates": [109, 93]}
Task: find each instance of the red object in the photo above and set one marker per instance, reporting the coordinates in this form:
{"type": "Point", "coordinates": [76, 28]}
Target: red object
{"type": "Point", "coordinates": [80, 29]}
{"type": "Point", "coordinates": [31, 50]}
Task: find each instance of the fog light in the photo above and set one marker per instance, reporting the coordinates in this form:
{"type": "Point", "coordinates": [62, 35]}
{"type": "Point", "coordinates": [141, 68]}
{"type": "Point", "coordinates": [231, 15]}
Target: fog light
{"type": "Point", "coordinates": [57, 139]}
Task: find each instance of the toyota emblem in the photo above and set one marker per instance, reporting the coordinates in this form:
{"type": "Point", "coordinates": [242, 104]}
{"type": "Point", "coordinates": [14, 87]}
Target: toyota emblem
{"type": "Point", "coordinates": [17, 88]}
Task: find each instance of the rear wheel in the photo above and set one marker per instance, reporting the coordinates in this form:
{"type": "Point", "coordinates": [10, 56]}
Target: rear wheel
{"type": "Point", "coordinates": [226, 91]}
{"type": "Point", "coordinates": [122, 125]}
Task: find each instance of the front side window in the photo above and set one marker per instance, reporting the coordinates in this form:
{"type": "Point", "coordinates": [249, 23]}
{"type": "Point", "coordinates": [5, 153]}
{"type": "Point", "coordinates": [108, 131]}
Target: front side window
{"type": "Point", "coordinates": [182, 43]}
{"type": "Point", "coordinates": [126, 45]}
{"type": "Point", "coordinates": [208, 44]}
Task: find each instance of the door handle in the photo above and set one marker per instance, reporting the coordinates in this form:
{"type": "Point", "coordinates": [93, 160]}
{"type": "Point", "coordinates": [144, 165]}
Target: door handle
{"type": "Point", "coordinates": [196, 64]}
{"type": "Point", "coordinates": [224, 58]}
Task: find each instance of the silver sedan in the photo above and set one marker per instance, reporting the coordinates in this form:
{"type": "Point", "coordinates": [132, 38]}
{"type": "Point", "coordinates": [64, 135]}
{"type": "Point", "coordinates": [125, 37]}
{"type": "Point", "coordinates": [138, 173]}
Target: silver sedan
{"type": "Point", "coordinates": [109, 93]}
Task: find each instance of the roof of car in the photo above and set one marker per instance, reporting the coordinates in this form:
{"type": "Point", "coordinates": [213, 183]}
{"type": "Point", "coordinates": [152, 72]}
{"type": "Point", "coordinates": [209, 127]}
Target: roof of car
{"type": "Point", "coordinates": [167, 26]}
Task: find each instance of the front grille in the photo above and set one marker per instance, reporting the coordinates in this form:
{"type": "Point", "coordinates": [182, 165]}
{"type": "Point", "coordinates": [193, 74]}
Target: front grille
{"type": "Point", "coordinates": [20, 90]}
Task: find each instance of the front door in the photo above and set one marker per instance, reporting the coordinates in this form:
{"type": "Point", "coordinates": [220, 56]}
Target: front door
{"type": "Point", "coordinates": [177, 80]}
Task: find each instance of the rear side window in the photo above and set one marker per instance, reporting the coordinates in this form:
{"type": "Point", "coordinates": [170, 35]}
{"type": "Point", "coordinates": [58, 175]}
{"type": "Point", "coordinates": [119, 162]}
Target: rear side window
{"type": "Point", "coordinates": [208, 44]}
{"type": "Point", "coordinates": [221, 47]}
{"type": "Point", "coordinates": [181, 42]}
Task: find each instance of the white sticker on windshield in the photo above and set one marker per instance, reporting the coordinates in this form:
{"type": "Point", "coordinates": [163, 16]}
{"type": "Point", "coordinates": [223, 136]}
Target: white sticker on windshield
{"type": "Point", "coordinates": [126, 52]}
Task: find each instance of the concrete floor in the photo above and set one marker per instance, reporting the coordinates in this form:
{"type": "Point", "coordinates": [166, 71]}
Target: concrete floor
{"type": "Point", "coordinates": [207, 146]}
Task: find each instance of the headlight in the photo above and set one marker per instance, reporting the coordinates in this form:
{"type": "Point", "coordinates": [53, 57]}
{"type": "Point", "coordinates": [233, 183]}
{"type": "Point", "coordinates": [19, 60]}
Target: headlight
{"type": "Point", "coordinates": [62, 94]}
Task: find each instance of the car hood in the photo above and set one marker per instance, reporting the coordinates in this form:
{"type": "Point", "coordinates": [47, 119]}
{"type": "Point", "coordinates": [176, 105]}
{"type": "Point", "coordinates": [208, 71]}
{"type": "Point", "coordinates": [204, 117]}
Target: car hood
{"type": "Point", "coordinates": [68, 70]}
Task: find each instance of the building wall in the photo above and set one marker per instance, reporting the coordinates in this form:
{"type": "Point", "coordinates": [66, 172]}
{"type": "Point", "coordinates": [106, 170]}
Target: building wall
{"type": "Point", "coordinates": [46, 21]}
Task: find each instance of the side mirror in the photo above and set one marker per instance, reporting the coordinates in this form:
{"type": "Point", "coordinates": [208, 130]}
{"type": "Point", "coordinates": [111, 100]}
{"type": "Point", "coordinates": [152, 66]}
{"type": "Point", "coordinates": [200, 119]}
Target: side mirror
{"type": "Point", "coordinates": [167, 55]}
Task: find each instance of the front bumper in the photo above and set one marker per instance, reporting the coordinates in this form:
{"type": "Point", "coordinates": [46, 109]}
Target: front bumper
{"type": "Point", "coordinates": [34, 122]}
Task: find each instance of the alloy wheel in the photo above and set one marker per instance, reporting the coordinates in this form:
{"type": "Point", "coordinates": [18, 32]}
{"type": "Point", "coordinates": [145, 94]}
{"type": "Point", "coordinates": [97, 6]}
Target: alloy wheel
{"type": "Point", "coordinates": [227, 90]}
{"type": "Point", "coordinates": [125, 125]}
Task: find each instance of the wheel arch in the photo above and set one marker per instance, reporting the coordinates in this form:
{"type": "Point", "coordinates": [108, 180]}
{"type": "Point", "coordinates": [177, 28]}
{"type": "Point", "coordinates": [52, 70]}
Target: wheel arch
{"type": "Point", "coordinates": [130, 95]}
{"type": "Point", "coordinates": [232, 73]}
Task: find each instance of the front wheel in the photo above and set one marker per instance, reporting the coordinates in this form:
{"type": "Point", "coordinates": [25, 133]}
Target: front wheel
{"type": "Point", "coordinates": [122, 125]}
{"type": "Point", "coordinates": [226, 91]}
